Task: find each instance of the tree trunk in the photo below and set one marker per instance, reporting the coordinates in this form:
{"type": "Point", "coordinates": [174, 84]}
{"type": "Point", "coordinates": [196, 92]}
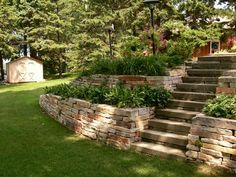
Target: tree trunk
{"type": "Point", "coordinates": [33, 53]}
{"type": "Point", "coordinates": [60, 68]}
{"type": "Point", "coordinates": [25, 46]}
{"type": "Point", "coordinates": [1, 67]}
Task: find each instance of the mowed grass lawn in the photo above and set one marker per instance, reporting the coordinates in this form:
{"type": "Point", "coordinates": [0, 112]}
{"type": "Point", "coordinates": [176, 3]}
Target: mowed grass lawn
{"type": "Point", "coordinates": [33, 145]}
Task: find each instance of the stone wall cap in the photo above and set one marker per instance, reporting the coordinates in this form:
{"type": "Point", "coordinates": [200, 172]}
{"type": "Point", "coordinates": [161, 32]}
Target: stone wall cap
{"type": "Point", "coordinates": [202, 119]}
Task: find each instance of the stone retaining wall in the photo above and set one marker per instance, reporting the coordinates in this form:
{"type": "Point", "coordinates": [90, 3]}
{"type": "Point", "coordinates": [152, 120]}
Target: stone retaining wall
{"type": "Point", "coordinates": [169, 82]}
{"type": "Point", "coordinates": [227, 83]}
{"type": "Point", "coordinates": [118, 127]}
{"type": "Point", "coordinates": [213, 141]}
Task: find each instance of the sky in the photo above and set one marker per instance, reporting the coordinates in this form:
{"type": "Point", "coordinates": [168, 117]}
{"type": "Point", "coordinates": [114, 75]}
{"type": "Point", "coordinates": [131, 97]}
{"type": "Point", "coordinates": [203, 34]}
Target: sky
{"type": "Point", "coordinates": [219, 6]}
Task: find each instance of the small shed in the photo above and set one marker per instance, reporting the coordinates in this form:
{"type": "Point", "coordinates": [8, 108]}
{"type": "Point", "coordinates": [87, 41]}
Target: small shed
{"type": "Point", "coordinates": [24, 69]}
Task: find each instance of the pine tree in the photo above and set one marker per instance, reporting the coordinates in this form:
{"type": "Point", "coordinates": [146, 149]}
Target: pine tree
{"type": "Point", "coordinates": [50, 33]}
{"type": "Point", "coordinates": [7, 24]}
{"type": "Point", "coordinates": [230, 11]}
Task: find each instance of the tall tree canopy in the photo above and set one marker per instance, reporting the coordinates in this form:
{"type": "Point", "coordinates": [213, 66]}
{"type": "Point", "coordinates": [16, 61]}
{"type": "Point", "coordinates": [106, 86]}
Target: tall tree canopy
{"type": "Point", "coordinates": [73, 32]}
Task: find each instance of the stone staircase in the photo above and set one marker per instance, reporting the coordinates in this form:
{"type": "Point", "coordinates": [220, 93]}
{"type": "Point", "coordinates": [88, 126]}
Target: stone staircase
{"type": "Point", "coordinates": [166, 135]}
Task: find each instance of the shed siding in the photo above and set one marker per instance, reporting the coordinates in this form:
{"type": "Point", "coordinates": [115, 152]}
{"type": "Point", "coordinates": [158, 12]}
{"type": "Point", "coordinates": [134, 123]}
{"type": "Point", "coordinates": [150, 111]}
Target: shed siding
{"type": "Point", "coordinates": [25, 70]}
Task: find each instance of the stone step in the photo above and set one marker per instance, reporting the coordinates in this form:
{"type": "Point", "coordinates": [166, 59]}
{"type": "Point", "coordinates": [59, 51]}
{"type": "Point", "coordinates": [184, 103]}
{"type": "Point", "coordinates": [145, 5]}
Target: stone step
{"type": "Point", "coordinates": [194, 87]}
{"type": "Point", "coordinates": [186, 105]}
{"type": "Point", "coordinates": [213, 65]}
{"type": "Point", "coordinates": [169, 126]}
{"type": "Point", "coordinates": [204, 80]}
{"type": "Point", "coordinates": [189, 63]}
{"type": "Point", "coordinates": [206, 72]}
{"type": "Point", "coordinates": [176, 113]}
{"type": "Point", "coordinates": [164, 137]}
{"type": "Point", "coordinates": [219, 58]}
{"type": "Point", "coordinates": [159, 150]}
{"type": "Point", "coordinates": [192, 96]}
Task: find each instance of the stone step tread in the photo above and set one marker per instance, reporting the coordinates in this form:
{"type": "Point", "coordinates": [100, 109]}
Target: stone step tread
{"type": "Point", "coordinates": [169, 122]}
{"type": "Point", "coordinates": [198, 84]}
{"type": "Point", "coordinates": [177, 111]}
{"type": "Point", "coordinates": [201, 78]}
{"type": "Point", "coordinates": [207, 62]}
{"type": "Point", "coordinates": [197, 87]}
{"type": "Point", "coordinates": [195, 96]}
{"type": "Point", "coordinates": [164, 134]}
{"type": "Point", "coordinates": [194, 93]}
{"type": "Point", "coordinates": [186, 104]}
{"type": "Point", "coordinates": [212, 63]}
{"type": "Point", "coordinates": [222, 58]}
{"type": "Point", "coordinates": [188, 101]}
{"type": "Point", "coordinates": [208, 70]}
{"type": "Point", "coordinates": [156, 149]}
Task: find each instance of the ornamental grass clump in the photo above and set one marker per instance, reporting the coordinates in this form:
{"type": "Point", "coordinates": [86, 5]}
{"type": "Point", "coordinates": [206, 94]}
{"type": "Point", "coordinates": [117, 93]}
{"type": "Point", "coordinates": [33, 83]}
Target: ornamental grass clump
{"type": "Point", "coordinates": [119, 95]}
{"type": "Point", "coordinates": [222, 106]}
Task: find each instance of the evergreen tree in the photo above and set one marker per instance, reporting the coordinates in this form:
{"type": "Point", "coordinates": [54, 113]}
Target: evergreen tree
{"type": "Point", "coordinates": [230, 12]}
{"type": "Point", "coordinates": [7, 32]}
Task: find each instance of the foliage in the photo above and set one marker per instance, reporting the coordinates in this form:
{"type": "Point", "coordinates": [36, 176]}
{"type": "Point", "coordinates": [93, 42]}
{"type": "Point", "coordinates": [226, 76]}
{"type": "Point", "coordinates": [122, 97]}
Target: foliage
{"type": "Point", "coordinates": [229, 11]}
{"type": "Point", "coordinates": [118, 95]}
{"type": "Point", "coordinates": [233, 49]}
{"type": "Point", "coordinates": [198, 143]}
{"type": "Point", "coordinates": [73, 32]}
{"type": "Point", "coordinates": [180, 48]}
{"type": "Point", "coordinates": [222, 106]}
{"type": "Point", "coordinates": [152, 66]}
{"type": "Point", "coordinates": [131, 46]}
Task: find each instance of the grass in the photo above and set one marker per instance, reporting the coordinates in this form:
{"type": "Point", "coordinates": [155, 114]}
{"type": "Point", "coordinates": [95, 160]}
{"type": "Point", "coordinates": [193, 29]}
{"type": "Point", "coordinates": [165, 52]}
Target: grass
{"type": "Point", "coordinates": [33, 145]}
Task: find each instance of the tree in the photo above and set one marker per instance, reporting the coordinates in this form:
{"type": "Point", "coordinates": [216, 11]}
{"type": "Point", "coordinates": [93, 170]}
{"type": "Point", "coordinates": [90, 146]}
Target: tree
{"type": "Point", "coordinates": [230, 12]}
{"type": "Point", "coordinates": [7, 32]}
{"type": "Point", "coordinates": [50, 33]}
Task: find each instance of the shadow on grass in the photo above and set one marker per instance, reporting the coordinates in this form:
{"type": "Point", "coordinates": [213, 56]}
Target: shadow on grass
{"type": "Point", "coordinates": [34, 145]}
{"type": "Point", "coordinates": [64, 75]}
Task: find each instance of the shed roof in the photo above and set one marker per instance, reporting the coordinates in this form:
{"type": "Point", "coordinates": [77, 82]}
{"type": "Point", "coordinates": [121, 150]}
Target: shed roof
{"type": "Point", "coordinates": [21, 58]}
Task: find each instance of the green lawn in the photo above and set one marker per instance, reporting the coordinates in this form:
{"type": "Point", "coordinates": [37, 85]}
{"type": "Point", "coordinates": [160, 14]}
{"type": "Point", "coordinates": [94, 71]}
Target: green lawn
{"type": "Point", "coordinates": [33, 145]}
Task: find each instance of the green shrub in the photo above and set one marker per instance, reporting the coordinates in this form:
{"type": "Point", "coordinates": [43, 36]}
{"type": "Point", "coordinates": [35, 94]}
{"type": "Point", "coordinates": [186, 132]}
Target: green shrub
{"type": "Point", "coordinates": [221, 106]}
{"type": "Point", "coordinates": [181, 48]}
{"type": "Point", "coordinates": [119, 95]}
{"type": "Point", "coordinates": [151, 66]}
{"type": "Point", "coordinates": [233, 49]}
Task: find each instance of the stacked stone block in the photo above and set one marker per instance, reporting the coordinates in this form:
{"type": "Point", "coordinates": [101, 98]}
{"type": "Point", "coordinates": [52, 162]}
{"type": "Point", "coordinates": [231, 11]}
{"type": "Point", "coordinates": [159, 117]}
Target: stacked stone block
{"type": "Point", "coordinates": [227, 83]}
{"type": "Point", "coordinates": [169, 82]}
{"type": "Point", "coordinates": [118, 127]}
{"type": "Point", "coordinates": [213, 141]}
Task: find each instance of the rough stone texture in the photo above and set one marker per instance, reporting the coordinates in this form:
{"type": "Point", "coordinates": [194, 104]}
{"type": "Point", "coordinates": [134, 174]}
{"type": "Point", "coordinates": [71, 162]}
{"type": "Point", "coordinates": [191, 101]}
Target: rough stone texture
{"type": "Point", "coordinates": [227, 83]}
{"type": "Point", "coordinates": [118, 127]}
{"type": "Point", "coordinates": [213, 141]}
{"type": "Point", "coordinates": [169, 82]}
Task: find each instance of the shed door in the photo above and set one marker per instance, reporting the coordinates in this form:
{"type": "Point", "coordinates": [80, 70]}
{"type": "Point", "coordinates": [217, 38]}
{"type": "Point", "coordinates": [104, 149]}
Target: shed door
{"type": "Point", "coordinates": [26, 71]}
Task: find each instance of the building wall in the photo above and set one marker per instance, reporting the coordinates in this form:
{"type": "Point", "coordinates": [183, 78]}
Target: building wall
{"type": "Point", "coordinates": [24, 70]}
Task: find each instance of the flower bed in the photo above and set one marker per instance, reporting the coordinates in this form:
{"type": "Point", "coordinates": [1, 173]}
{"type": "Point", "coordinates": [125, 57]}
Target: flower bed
{"type": "Point", "coordinates": [115, 126]}
{"type": "Point", "coordinates": [213, 141]}
{"type": "Point", "coordinates": [118, 95]}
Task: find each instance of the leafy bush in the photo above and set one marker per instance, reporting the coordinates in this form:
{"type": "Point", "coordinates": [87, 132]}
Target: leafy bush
{"type": "Point", "coordinates": [151, 66]}
{"type": "Point", "coordinates": [222, 106]}
{"type": "Point", "coordinates": [119, 95]}
{"type": "Point", "coordinates": [131, 46]}
{"type": "Point", "coordinates": [233, 49]}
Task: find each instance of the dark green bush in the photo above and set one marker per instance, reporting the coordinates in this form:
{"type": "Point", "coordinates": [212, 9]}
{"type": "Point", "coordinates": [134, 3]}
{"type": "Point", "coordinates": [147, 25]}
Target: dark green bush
{"type": "Point", "coordinates": [119, 95]}
{"type": "Point", "coordinates": [151, 66]}
{"type": "Point", "coordinates": [221, 106]}
{"type": "Point", "coordinates": [171, 60]}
